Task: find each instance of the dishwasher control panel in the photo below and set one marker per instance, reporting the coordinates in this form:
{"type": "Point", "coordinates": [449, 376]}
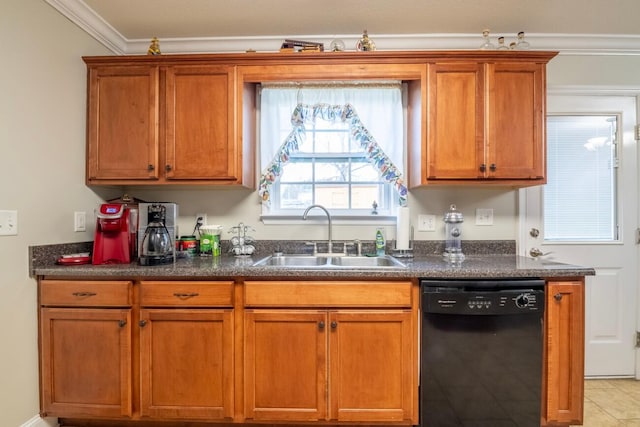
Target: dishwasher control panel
{"type": "Point", "coordinates": [472, 300]}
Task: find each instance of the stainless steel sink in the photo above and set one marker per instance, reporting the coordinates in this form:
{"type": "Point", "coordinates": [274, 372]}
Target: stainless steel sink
{"type": "Point", "coordinates": [367, 262]}
{"type": "Point", "coordinates": [293, 261]}
{"type": "Point", "coordinates": [332, 262]}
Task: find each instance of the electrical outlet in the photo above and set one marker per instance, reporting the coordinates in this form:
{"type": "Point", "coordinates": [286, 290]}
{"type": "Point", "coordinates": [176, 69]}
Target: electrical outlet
{"type": "Point", "coordinates": [79, 221]}
{"type": "Point", "coordinates": [203, 221]}
{"type": "Point", "coordinates": [8, 223]}
{"type": "Point", "coordinates": [426, 222]}
{"type": "Point", "coordinates": [484, 216]}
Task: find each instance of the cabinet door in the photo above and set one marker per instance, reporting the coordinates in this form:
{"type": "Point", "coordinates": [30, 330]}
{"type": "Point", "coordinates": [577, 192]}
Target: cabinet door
{"type": "Point", "coordinates": [286, 365]}
{"type": "Point", "coordinates": [516, 131]}
{"type": "Point", "coordinates": [122, 128]}
{"type": "Point", "coordinates": [455, 122]}
{"type": "Point", "coordinates": [565, 352]}
{"type": "Point", "coordinates": [372, 362]}
{"type": "Point", "coordinates": [200, 111]}
{"type": "Point", "coordinates": [186, 363]}
{"type": "Point", "coordinates": [85, 362]}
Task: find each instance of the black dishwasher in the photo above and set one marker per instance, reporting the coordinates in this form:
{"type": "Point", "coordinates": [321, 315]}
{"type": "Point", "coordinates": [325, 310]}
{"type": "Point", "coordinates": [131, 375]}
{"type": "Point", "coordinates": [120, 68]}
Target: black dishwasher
{"type": "Point", "coordinates": [481, 353]}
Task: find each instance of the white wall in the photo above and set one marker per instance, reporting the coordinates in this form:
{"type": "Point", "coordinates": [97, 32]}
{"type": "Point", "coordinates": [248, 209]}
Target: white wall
{"type": "Point", "coordinates": [42, 115]}
{"type": "Point", "coordinates": [42, 153]}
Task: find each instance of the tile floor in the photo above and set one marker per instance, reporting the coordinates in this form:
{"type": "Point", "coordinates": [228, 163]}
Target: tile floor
{"type": "Point", "coordinates": [612, 403]}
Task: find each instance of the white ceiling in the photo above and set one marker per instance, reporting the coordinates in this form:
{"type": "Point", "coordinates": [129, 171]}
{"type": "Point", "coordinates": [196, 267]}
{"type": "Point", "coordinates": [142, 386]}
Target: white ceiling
{"type": "Point", "coordinates": [126, 26]}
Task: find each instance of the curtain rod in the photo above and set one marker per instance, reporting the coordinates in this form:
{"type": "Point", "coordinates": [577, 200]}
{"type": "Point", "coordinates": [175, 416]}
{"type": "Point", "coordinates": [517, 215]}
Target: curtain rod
{"type": "Point", "coordinates": [333, 84]}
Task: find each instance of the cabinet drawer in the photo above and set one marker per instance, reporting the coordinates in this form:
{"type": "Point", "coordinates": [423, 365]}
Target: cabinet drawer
{"type": "Point", "coordinates": [327, 294]}
{"type": "Point", "coordinates": [186, 294]}
{"type": "Point", "coordinates": [85, 293]}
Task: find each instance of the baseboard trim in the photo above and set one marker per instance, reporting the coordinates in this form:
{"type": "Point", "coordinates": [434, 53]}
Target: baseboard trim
{"type": "Point", "coordinates": [38, 421]}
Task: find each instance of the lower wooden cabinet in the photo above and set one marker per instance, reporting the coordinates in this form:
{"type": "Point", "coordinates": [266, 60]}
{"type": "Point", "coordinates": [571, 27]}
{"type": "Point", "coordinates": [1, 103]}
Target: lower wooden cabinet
{"type": "Point", "coordinates": [371, 365]}
{"type": "Point", "coordinates": [186, 363]}
{"type": "Point", "coordinates": [286, 365]}
{"type": "Point", "coordinates": [186, 350]}
{"type": "Point", "coordinates": [564, 362]}
{"type": "Point", "coordinates": [261, 351]}
{"type": "Point", "coordinates": [330, 351]}
{"type": "Point", "coordinates": [345, 365]}
{"type": "Point", "coordinates": [86, 356]}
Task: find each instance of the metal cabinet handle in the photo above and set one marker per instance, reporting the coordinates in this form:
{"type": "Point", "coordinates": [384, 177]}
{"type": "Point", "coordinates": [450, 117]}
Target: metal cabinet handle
{"type": "Point", "coordinates": [150, 167]}
{"type": "Point", "coordinates": [334, 324]}
{"type": "Point", "coordinates": [122, 323]}
{"type": "Point", "coordinates": [84, 294]}
{"type": "Point", "coordinates": [167, 168]}
{"type": "Point", "coordinates": [558, 296]}
{"type": "Point", "coordinates": [483, 168]}
{"type": "Point", "coordinates": [493, 167]}
{"type": "Point", "coordinates": [185, 295]}
{"type": "Point", "coordinates": [321, 324]}
{"type": "Point", "coordinates": [143, 323]}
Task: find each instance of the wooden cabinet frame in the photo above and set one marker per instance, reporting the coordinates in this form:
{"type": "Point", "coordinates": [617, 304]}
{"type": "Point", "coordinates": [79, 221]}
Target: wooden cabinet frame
{"type": "Point", "coordinates": [563, 378]}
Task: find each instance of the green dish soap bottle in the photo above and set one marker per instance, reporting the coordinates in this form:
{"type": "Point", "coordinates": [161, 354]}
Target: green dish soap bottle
{"type": "Point", "coordinates": [380, 243]}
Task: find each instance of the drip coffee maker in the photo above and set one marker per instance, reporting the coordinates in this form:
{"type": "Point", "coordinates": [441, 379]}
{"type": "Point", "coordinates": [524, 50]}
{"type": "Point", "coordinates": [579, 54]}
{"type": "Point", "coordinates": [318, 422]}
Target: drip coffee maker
{"type": "Point", "coordinates": [157, 243]}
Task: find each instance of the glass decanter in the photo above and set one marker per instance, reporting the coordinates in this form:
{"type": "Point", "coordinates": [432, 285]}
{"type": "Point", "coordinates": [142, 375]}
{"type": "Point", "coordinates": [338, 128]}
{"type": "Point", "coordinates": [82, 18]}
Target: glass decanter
{"type": "Point", "coordinates": [522, 44]}
{"type": "Point", "coordinates": [501, 45]}
{"type": "Point", "coordinates": [486, 42]}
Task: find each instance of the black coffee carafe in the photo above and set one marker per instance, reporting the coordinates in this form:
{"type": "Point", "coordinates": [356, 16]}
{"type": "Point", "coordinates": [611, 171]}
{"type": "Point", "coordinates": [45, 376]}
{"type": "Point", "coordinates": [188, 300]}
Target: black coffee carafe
{"type": "Point", "coordinates": [157, 245]}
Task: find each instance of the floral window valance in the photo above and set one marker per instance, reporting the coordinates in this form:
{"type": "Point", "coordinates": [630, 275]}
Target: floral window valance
{"type": "Point", "coordinates": [304, 113]}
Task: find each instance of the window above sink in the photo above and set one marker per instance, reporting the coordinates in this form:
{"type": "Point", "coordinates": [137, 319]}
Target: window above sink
{"type": "Point", "coordinates": [323, 159]}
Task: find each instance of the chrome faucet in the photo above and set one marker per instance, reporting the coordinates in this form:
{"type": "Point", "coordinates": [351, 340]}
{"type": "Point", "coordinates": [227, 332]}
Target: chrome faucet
{"type": "Point", "coordinates": [304, 217]}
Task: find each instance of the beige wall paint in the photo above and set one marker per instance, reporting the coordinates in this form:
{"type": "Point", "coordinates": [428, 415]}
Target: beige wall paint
{"type": "Point", "coordinates": [42, 115]}
{"type": "Point", "coordinates": [42, 143]}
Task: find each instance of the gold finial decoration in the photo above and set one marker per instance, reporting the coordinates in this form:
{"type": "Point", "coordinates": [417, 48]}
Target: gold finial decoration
{"type": "Point", "coordinates": [154, 47]}
{"type": "Point", "coordinates": [365, 44]}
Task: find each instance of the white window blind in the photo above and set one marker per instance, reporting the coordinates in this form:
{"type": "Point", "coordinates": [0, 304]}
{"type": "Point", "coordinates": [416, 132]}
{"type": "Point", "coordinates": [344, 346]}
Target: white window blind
{"type": "Point", "coordinates": [580, 195]}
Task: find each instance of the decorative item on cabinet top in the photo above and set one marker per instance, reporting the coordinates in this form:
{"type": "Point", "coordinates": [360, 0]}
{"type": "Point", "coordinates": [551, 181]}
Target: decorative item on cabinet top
{"type": "Point", "coordinates": [154, 47]}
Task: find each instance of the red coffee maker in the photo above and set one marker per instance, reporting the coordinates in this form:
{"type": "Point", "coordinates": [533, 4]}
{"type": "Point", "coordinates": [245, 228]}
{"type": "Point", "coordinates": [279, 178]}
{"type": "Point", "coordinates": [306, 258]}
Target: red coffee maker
{"type": "Point", "coordinates": [113, 239]}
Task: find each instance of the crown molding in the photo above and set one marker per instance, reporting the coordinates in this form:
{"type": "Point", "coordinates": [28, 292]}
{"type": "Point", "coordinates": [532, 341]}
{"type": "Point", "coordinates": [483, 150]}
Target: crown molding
{"type": "Point", "coordinates": [566, 44]}
{"type": "Point", "coordinates": [92, 23]}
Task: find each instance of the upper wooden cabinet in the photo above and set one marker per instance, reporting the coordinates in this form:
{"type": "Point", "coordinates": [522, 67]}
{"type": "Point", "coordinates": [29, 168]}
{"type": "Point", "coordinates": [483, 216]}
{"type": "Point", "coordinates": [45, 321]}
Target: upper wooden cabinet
{"type": "Point", "coordinates": [472, 116]}
{"type": "Point", "coordinates": [485, 123]}
{"type": "Point", "coordinates": [199, 134]}
{"type": "Point", "coordinates": [155, 123]}
{"type": "Point", "coordinates": [122, 123]}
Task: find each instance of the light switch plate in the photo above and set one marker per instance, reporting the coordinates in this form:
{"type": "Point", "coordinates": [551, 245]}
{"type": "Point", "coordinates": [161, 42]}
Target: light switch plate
{"type": "Point", "coordinates": [484, 216]}
{"type": "Point", "coordinates": [426, 223]}
{"type": "Point", "coordinates": [8, 223]}
{"type": "Point", "coordinates": [79, 221]}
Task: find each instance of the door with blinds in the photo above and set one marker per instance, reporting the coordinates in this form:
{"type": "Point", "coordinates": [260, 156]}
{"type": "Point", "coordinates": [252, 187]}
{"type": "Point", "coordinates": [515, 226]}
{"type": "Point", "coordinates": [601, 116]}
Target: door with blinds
{"type": "Point", "coordinates": [587, 214]}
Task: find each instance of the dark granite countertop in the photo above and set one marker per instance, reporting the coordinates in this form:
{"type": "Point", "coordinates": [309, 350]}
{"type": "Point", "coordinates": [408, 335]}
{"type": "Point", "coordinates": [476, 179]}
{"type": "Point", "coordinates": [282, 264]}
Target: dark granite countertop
{"type": "Point", "coordinates": [488, 260]}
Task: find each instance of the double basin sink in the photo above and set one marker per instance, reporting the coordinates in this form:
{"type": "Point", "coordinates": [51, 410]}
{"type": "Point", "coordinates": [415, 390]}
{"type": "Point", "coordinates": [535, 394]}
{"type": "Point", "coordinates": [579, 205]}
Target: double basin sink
{"type": "Point", "coordinates": [330, 262]}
